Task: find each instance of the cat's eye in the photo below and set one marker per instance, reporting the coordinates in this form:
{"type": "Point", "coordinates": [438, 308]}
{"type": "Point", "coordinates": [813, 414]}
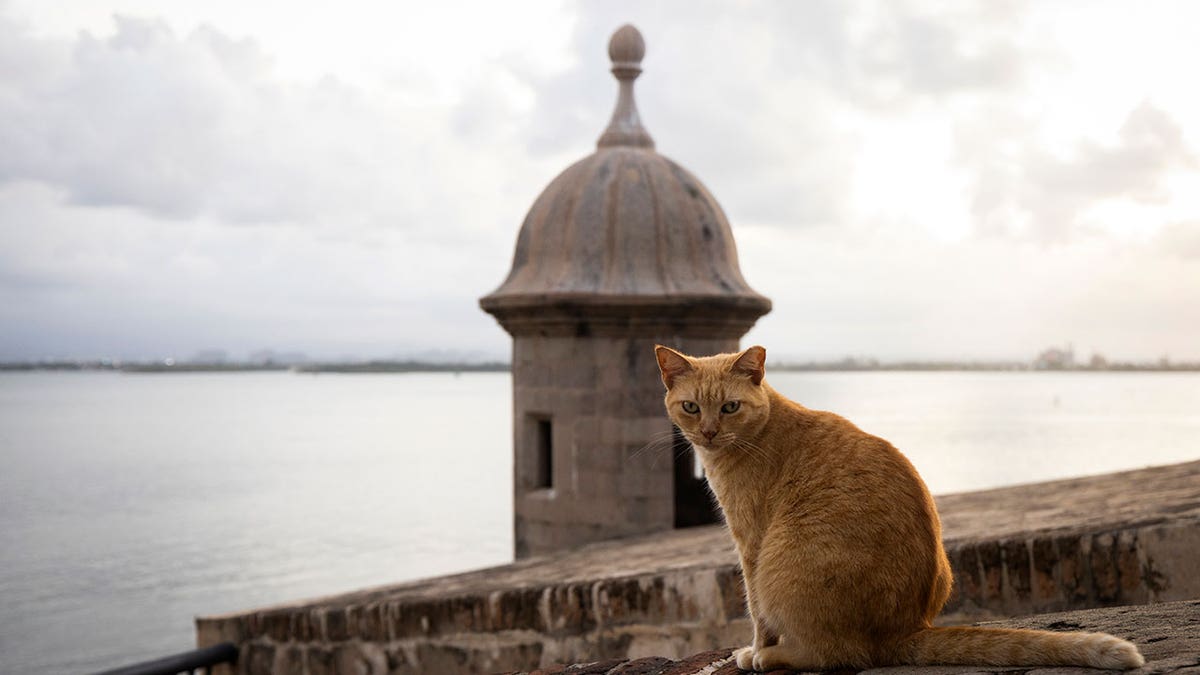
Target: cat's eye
{"type": "Point", "coordinates": [731, 407]}
{"type": "Point", "coordinates": [690, 408]}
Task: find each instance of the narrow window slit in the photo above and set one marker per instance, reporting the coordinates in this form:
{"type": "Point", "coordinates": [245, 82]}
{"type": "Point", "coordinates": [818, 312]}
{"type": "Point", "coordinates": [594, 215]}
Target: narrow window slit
{"type": "Point", "coordinates": [544, 449]}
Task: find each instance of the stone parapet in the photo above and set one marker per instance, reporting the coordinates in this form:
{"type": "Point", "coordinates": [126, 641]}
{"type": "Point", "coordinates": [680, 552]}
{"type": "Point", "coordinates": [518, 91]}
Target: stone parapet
{"type": "Point", "coordinates": [1118, 539]}
{"type": "Point", "coordinates": [1168, 635]}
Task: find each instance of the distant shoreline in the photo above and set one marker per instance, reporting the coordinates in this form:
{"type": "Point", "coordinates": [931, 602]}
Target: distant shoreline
{"type": "Point", "coordinates": [383, 366]}
{"type": "Point", "coordinates": [352, 367]}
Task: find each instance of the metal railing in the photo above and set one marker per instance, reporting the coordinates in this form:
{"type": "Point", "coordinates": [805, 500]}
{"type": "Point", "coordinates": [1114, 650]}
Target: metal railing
{"type": "Point", "coordinates": [183, 662]}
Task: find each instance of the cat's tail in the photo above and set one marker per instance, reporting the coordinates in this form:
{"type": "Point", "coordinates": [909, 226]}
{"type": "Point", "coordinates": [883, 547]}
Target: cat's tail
{"type": "Point", "coordinates": [1013, 647]}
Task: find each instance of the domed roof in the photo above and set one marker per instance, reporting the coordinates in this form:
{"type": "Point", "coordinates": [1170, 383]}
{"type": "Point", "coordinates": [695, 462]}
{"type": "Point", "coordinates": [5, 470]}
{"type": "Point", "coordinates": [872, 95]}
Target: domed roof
{"type": "Point", "coordinates": [625, 227]}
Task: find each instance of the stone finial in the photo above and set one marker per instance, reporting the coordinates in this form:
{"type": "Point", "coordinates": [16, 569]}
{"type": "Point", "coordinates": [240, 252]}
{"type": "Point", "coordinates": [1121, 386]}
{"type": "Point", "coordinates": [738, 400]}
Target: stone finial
{"type": "Point", "coordinates": [626, 49]}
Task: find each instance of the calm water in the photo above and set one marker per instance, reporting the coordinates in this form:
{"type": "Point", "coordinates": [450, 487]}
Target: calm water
{"type": "Point", "coordinates": [131, 503]}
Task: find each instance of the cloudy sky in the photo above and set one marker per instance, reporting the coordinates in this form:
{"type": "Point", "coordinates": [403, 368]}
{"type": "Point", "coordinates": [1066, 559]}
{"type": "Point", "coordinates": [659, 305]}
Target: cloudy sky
{"type": "Point", "coordinates": [904, 179]}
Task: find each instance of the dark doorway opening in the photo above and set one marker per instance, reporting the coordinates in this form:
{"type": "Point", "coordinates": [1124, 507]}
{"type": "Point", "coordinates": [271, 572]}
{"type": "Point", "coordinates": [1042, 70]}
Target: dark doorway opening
{"type": "Point", "coordinates": [694, 503]}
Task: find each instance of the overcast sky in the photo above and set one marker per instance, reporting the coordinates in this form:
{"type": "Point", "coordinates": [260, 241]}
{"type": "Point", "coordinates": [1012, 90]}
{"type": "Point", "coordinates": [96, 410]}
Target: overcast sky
{"type": "Point", "coordinates": [904, 180]}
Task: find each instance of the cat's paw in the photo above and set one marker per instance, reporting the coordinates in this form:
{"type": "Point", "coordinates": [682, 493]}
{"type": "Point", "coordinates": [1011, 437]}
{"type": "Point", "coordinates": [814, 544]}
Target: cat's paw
{"type": "Point", "coordinates": [771, 658]}
{"type": "Point", "coordinates": [744, 657]}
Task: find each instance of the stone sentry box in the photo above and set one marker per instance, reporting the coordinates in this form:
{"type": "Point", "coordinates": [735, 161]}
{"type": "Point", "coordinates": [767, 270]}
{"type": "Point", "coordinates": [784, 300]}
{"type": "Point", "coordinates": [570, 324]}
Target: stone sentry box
{"type": "Point", "coordinates": [623, 250]}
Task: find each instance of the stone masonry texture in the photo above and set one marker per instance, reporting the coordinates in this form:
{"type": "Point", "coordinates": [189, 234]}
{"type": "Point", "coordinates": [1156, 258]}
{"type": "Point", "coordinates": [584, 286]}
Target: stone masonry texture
{"type": "Point", "coordinates": [1167, 634]}
{"type": "Point", "coordinates": [604, 482]}
{"type": "Point", "coordinates": [1129, 538]}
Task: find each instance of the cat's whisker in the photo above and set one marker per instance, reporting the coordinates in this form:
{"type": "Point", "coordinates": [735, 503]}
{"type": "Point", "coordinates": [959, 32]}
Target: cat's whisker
{"type": "Point", "coordinates": [753, 450]}
{"type": "Point", "coordinates": [683, 450]}
{"type": "Point", "coordinates": [650, 449]}
{"type": "Point", "coordinates": [657, 438]}
{"type": "Point", "coordinates": [659, 441]}
{"type": "Point", "coordinates": [750, 450]}
{"type": "Point", "coordinates": [762, 454]}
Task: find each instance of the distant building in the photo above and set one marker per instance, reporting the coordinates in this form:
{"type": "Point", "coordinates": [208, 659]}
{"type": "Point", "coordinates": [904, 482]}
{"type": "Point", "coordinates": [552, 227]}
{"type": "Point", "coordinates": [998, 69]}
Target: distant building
{"type": "Point", "coordinates": [623, 250]}
{"type": "Point", "coordinates": [270, 357]}
{"type": "Point", "coordinates": [1055, 358]}
{"type": "Point", "coordinates": [209, 357]}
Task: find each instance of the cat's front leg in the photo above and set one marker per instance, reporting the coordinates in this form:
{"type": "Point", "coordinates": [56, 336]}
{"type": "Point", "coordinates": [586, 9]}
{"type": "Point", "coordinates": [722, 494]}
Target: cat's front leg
{"type": "Point", "coordinates": [763, 636]}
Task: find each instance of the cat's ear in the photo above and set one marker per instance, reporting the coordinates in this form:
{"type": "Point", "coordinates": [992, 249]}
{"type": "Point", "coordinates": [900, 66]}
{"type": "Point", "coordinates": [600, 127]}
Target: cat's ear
{"type": "Point", "coordinates": [671, 363]}
{"type": "Point", "coordinates": [751, 363]}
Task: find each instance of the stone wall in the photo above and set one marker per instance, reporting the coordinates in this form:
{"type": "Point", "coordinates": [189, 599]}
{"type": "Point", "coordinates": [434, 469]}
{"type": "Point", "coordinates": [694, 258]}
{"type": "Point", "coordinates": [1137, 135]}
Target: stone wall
{"type": "Point", "coordinates": [1125, 538]}
{"type": "Point", "coordinates": [1052, 572]}
{"type": "Point", "coordinates": [1166, 634]}
{"type": "Point", "coordinates": [612, 462]}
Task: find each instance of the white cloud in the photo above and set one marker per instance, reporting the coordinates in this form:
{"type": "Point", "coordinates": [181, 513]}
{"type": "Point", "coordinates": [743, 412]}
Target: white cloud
{"type": "Point", "coordinates": [895, 297]}
{"type": "Point", "coordinates": [200, 126]}
{"type": "Point", "coordinates": [1020, 186]}
{"type": "Point", "coordinates": [89, 281]}
{"type": "Point", "coordinates": [1180, 240]}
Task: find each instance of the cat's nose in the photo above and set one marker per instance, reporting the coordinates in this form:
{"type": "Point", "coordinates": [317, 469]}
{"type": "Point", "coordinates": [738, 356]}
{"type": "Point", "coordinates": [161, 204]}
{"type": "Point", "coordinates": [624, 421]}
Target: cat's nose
{"type": "Point", "coordinates": [709, 433]}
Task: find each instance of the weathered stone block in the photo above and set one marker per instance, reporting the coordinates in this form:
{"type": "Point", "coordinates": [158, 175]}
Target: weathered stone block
{"type": "Point", "coordinates": [252, 625]}
{"type": "Point", "coordinates": [401, 660]}
{"type": "Point", "coordinates": [587, 453]}
{"type": "Point", "coordinates": [600, 486]}
{"type": "Point", "coordinates": [318, 659]}
{"type": "Point", "coordinates": [466, 613]}
{"type": "Point", "coordinates": [440, 617]}
{"type": "Point", "coordinates": [336, 627]}
{"type": "Point", "coordinates": [517, 609]}
{"type": "Point", "coordinates": [260, 659]}
{"type": "Point", "coordinates": [967, 575]}
{"type": "Point", "coordinates": [1172, 567]}
{"type": "Point", "coordinates": [289, 659]}
{"type": "Point", "coordinates": [442, 658]}
{"type": "Point", "coordinates": [360, 658]}
{"type": "Point", "coordinates": [1075, 572]}
{"type": "Point", "coordinates": [1017, 572]}
{"type": "Point", "coordinates": [215, 631]}
{"type": "Point", "coordinates": [1044, 569]}
{"type": "Point", "coordinates": [1105, 581]}
{"type": "Point", "coordinates": [630, 600]}
{"type": "Point", "coordinates": [307, 625]}
{"type": "Point", "coordinates": [277, 625]}
{"type": "Point", "coordinates": [571, 607]}
{"type": "Point", "coordinates": [637, 483]}
{"type": "Point", "coordinates": [411, 619]}
{"type": "Point", "coordinates": [991, 561]}
{"type": "Point", "coordinates": [1129, 569]}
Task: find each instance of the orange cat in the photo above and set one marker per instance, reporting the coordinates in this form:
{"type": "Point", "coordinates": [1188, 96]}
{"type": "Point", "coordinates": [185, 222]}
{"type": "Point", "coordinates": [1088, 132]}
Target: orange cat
{"type": "Point", "coordinates": [839, 540]}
